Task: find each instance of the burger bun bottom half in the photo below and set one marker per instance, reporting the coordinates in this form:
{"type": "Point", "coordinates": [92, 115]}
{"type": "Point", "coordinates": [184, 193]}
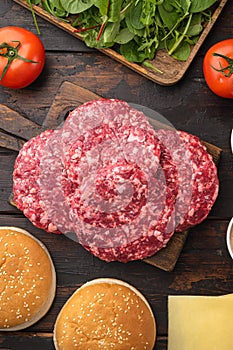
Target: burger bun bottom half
{"type": "Point", "coordinates": [105, 314]}
{"type": "Point", "coordinates": [27, 279]}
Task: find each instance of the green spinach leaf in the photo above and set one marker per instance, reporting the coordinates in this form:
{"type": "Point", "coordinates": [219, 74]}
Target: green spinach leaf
{"type": "Point", "coordinates": [182, 52]}
{"type": "Point", "coordinates": [185, 5]}
{"type": "Point", "coordinates": [102, 6]}
{"type": "Point", "coordinates": [131, 53]}
{"type": "Point", "coordinates": [76, 6]}
{"type": "Point", "coordinates": [114, 10]}
{"type": "Point", "coordinates": [168, 14]}
{"type": "Point", "coordinates": [110, 32]}
{"type": "Point", "coordinates": [124, 36]}
{"type": "Point", "coordinates": [133, 16]}
{"type": "Point", "coordinates": [201, 5]}
{"type": "Point", "coordinates": [55, 8]}
{"type": "Point", "coordinates": [195, 25]}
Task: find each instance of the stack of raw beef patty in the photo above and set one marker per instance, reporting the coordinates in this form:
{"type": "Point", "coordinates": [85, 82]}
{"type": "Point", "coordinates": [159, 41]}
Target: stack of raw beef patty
{"type": "Point", "coordinates": [122, 187]}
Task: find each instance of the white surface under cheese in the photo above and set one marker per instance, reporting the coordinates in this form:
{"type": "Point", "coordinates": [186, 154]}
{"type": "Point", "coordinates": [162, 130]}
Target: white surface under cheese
{"type": "Point", "coordinates": [200, 322]}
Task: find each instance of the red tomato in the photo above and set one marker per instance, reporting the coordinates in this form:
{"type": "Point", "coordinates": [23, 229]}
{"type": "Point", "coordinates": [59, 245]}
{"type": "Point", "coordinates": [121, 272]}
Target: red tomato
{"type": "Point", "coordinates": [218, 68]}
{"type": "Point", "coordinates": [22, 57]}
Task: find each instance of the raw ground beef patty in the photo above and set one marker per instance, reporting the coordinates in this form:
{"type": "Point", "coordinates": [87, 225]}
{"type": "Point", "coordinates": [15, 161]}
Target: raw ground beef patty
{"type": "Point", "coordinates": [122, 202]}
{"type": "Point", "coordinates": [197, 178]}
{"type": "Point", "coordinates": [157, 230]}
{"type": "Point", "coordinates": [119, 186]}
{"type": "Point", "coordinates": [26, 177]}
{"type": "Point", "coordinates": [205, 184]}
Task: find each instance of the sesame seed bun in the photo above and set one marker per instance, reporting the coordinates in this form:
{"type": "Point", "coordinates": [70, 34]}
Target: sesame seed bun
{"type": "Point", "coordinates": [105, 314]}
{"type": "Point", "coordinates": [27, 279]}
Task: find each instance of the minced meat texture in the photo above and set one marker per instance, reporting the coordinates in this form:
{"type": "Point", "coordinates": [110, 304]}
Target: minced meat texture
{"type": "Point", "coordinates": [120, 187]}
{"type": "Point", "coordinates": [26, 186]}
{"type": "Point", "coordinates": [125, 230]}
{"type": "Point", "coordinates": [205, 184]}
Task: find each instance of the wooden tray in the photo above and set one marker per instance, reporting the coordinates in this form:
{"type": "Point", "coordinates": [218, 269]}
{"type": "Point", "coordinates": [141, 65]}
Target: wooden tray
{"type": "Point", "coordinates": [172, 69]}
{"type": "Point", "coordinates": [17, 128]}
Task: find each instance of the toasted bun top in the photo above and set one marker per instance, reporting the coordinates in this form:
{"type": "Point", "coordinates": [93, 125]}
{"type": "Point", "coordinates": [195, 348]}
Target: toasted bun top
{"type": "Point", "coordinates": [105, 314]}
{"type": "Point", "coordinates": [27, 279]}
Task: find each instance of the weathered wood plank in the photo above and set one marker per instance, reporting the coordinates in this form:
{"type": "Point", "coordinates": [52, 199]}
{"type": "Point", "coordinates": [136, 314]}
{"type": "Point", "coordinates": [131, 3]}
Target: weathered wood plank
{"type": "Point", "coordinates": [26, 341]}
{"type": "Point", "coordinates": [6, 165]}
{"type": "Point", "coordinates": [38, 341]}
{"type": "Point", "coordinates": [10, 142]}
{"type": "Point", "coordinates": [14, 123]}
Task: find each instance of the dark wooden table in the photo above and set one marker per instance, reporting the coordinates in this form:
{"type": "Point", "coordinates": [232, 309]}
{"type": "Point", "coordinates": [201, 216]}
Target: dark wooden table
{"type": "Point", "coordinates": [204, 266]}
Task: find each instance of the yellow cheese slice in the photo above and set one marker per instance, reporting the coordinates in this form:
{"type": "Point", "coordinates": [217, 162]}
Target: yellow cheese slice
{"type": "Point", "coordinates": [200, 322]}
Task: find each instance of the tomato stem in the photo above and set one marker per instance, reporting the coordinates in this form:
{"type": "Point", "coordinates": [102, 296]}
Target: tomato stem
{"type": "Point", "coordinates": [226, 71]}
{"type": "Point", "coordinates": [11, 53]}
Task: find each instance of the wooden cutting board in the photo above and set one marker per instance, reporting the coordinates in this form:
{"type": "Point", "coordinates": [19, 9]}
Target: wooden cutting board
{"type": "Point", "coordinates": [16, 129]}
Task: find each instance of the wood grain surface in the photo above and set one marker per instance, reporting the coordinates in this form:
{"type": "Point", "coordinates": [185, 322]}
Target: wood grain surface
{"type": "Point", "coordinates": [204, 266]}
